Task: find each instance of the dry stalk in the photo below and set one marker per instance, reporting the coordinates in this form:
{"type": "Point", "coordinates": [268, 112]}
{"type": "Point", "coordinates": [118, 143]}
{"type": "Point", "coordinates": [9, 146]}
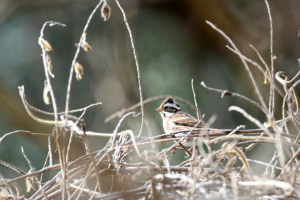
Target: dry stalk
{"type": "Point", "coordinates": [83, 35]}
{"type": "Point", "coordinates": [137, 66]}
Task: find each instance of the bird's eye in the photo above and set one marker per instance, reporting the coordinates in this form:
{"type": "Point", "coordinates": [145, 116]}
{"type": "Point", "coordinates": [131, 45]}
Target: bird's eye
{"type": "Point", "coordinates": [170, 109]}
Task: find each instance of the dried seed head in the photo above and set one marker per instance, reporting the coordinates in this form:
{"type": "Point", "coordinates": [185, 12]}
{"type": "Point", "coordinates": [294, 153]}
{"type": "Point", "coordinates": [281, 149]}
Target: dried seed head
{"type": "Point", "coordinates": [28, 182]}
{"type": "Point", "coordinates": [49, 65]}
{"type": "Point", "coordinates": [266, 80]}
{"type": "Point", "coordinates": [46, 96]}
{"type": "Point", "coordinates": [86, 46]}
{"type": "Point", "coordinates": [78, 70]}
{"type": "Point", "coordinates": [46, 45]}
{"type": "Point", "coordinates": [105, 11]}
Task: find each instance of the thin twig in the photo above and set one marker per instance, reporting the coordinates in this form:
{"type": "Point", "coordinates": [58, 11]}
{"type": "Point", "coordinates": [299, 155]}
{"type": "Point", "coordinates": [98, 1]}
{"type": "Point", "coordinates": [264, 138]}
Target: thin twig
{"type": "Point", "coordinates": [32, 169]}
{"type": "Point", "coordinates": [257, 123]}
{"type": "Point", "coordinates": [62, 113]}
{"type": "Point", "coordinates": [195, 100]}
{"type": "Point", "coordinates": [12, 167]}
{"type": "Point", "coordinates": [263, 61]}
{"type": "Point", "coordinates": [83, 35]}
{"type": "Point", "coordinates": [250, 118]}
{"type": "Point", "coordinates": [262, 163]}
{"type": "Point", "coordinates": [296, 154]}
{"type": "Point", "coordinates": [113, 138]}
{"type": "Point", "coordinates": [50, 152]}
{"type": "Point", "coordinates": [270, 77]}
{"type": "Point", "coordinates": [23, 131]}
{"type": "Point", "coordinates": [236, 129]}
{"type": "Point", "coordinates": [272, 97]}
{"type": "Point", "coordinates": [258, 67]}
{"type": "Point", "coordinates": [44, 54]}
{"type": "Point", "coordinates": [137, 66]}
{"type": "Point", "coordinates": [87, 143]}
{"type": "Point", "coordinates": [62, 163]}
{"type": "Point", "coordinates": [8, 187]}
{"type": "Point", "coordinates": [27, 159]}
{"type": "Point", "coordinates": [43, 121]}
{"type": "Point", "coordinates": [268, 166]}
{"type": "Point", "coordinates": [72, 133]}
{"type": "Point", "coordinates": [228, 93]}
{"type": "Point", "coordinates": [244, 63]}
{"type": "Point", "coordinates": [294, 78]}
{"type": "Point", "coordinates": [45, 164]}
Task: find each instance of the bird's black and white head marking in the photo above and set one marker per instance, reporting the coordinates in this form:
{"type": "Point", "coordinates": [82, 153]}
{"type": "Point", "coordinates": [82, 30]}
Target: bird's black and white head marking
{"type": "Point", "coordinates": [170, 106]}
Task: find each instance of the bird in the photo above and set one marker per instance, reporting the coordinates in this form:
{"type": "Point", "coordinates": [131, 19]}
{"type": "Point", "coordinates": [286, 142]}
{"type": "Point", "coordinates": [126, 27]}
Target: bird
{"type": "Point", "coordinates": [176, 120]}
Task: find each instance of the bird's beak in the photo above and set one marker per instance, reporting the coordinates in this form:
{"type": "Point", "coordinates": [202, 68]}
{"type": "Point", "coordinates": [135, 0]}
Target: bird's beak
{"type": "Point", "coordinates": [158, 110]}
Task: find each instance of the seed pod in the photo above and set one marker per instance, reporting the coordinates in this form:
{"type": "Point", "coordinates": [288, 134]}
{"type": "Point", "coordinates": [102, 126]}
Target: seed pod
{"type": "Point", "coordinates": [49, 65]}
{"type": "Point", "coordinates": [78, 71]}
{"type": "Point", "coordinates": [46, 45]}
{"type": "Point", "coordinates": [266, 80]}
{"type": "Point", "coordinates": [105, 11]}
{"type": "Point", "coordinates": [46, 96]}
{"type": "Point", "coordinates": [86, 46]}
{"type": "Point", "coordinates": [28, 182]}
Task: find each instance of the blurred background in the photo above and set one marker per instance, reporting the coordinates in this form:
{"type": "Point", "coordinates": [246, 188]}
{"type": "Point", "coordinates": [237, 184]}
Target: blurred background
{"type": "Point", "coordinates": [174, 45]}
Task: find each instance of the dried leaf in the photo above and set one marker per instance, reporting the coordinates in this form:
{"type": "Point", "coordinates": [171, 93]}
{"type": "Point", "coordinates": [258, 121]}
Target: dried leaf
{"type": "Point", "coordinates": [49, 65]}
{"type": "Point", "coordinates": [46, 45]}
{"type": "Point", "coordinates": [86, 46]}
{"type": "Point", "coordinates": [28, 182]}
{"type": "Point", "coordinates": [78, 70]}
{"type": "Point", "coordinates": [266, 80]}
{"type": "Point", "coordinates": [105, 11]}
{"type": "Point", "coordinates": [46, 96]}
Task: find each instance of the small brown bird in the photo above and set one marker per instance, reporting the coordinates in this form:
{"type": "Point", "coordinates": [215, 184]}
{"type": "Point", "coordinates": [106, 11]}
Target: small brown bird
{"type": "Point", "coordinates": [175, 119]}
